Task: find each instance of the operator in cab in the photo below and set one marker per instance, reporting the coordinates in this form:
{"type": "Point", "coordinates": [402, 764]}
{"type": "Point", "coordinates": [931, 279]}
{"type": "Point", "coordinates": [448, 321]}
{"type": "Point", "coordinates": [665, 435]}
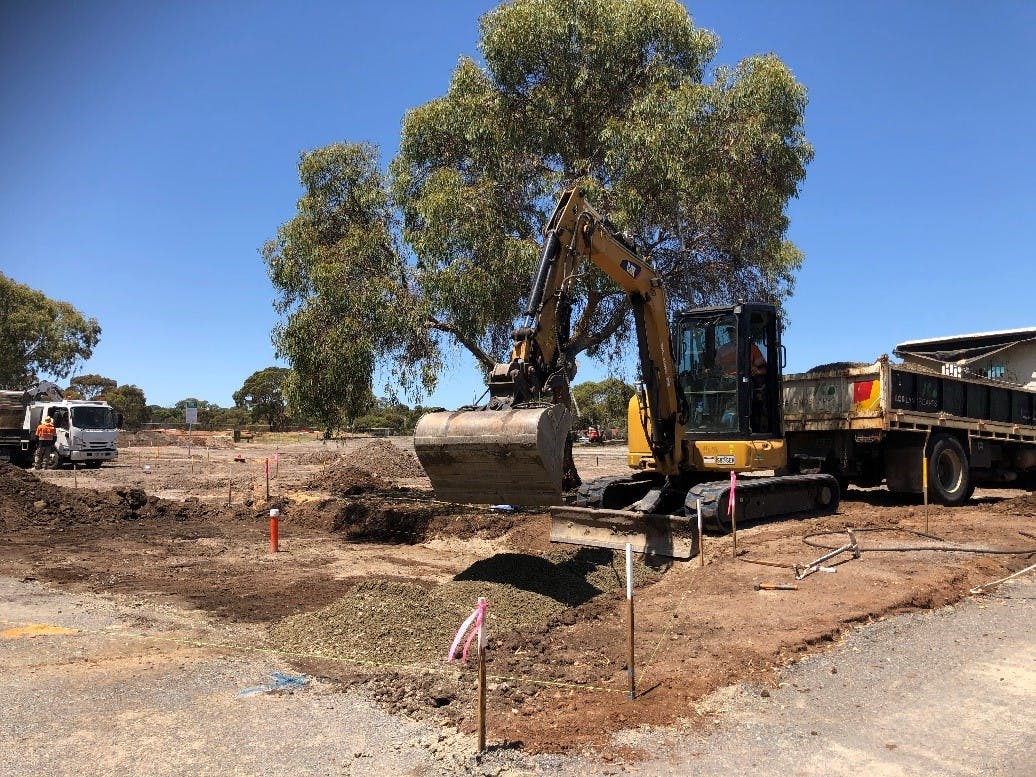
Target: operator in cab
{"type": "Point", "coordinates": [726, 355]}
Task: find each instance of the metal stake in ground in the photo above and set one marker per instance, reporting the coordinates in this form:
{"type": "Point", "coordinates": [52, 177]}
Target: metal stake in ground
{"type": "Point", "coordinates": [481, 682]}
{"type": "Point", "coordinates": [701, 537]}
{"type": "Point", "coordinates": [629, 619]}
{"type": "Point", "coordinates": [924, 488]}
{"type": "Point", "coordinates": [732, 510]}
{"type": "Point", "coordinates": [266, 469]}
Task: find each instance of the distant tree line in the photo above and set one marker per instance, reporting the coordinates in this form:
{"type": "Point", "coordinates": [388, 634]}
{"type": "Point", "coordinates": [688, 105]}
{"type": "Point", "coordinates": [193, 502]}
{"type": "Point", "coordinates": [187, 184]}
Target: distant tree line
{"type": "Point", "coordinates": [261, 402]}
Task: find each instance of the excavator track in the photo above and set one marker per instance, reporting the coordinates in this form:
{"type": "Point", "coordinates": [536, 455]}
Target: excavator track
{"type": "Point", "coordinates": [658, 527]}
{"type": "Point", "coordinates": [757, 498]}
{"type": "Point", "coordinates": [613, 492]}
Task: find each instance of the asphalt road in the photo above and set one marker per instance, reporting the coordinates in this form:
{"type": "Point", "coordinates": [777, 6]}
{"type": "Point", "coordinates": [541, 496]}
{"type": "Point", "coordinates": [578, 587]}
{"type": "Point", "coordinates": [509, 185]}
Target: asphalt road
{"type": "Point", "coordinates": [92, 686]}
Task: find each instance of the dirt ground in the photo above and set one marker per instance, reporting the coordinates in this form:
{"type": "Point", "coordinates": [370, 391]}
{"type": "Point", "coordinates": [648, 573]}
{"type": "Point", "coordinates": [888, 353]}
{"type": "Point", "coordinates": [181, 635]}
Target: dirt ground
{"type": "Point", "coordinates": [375, 575]}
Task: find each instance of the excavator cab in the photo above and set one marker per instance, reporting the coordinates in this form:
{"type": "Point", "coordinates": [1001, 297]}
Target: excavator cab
{"type": "Point", "coordinates": [729, 363]}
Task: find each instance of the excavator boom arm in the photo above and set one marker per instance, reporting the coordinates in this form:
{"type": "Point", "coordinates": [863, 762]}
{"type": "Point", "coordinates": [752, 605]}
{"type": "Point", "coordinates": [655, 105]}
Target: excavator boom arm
{"type": "Point", "coordinates": [576, 233]}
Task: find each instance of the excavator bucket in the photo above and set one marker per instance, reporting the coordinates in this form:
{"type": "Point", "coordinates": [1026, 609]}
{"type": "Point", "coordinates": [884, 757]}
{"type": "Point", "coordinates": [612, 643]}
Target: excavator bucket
{"type": "Point", "coordinates": [670, 536]}
{"type": "Point", "coordinates": [511, 457]}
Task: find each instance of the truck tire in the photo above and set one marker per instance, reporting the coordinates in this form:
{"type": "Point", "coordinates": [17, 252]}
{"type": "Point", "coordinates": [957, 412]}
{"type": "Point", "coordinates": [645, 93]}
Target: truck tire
{"type": "Point", "coordinates": [949, 477]}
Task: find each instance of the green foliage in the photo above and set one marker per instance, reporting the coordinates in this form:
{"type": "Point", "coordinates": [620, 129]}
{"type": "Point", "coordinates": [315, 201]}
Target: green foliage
{"type": "Point", "coordinates": [603, 403]}
{"type": "Point", "coordinates": [40, 335]}
{"type": "Point", "coordinates": [91, 386]}
{"type": "Point", "coordinates": [344, 289]}
{"type": "Point", "coordinates": [610, 95]}
{"type": "Point", "coordinates": [129, 400]}
{"type": "Point", "coordinates": [262, 396]}
{"type": "Point", "coordinates": [210, 416]}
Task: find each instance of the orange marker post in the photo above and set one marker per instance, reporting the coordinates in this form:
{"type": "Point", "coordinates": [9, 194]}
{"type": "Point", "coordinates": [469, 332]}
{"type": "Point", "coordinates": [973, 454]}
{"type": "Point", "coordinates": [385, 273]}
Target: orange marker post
{"type": "Point", "coordinates": [274, 517]}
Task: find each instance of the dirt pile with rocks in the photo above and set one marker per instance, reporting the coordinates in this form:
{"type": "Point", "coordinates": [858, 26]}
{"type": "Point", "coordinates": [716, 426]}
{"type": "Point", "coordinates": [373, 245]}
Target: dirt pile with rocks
{"type": "Point", "coordinates": [369, 469]}
{"type": "Point", "coordinates": [341, 478]}
{"type": "Point", "coordinates": [398, 519]}
{"type": "Point", "coordinates": [382, 458]}
{"type": "Point", "coordinates": [26, 502]}
{"type": "Point", "coordinates": [1019, 505]}
{"type": "Point", "coordinates": [315, 457]}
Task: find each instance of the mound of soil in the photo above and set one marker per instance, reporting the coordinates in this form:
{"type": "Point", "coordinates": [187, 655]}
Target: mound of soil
{"type": "Point", "coordinates": [344, 479]}
{"type": "Point", "coordinates": [1019, 505]}
{"type": "Point", "coordinates": [366, 470]}
{"type": "Point", "coordinates": [384, 459]}
{"type": "Point", "coordinates": [317, 457]}
{"type": "Point", "coordinates": [399, 520]}
{"type": "Point", "coordinates": [28, 502]}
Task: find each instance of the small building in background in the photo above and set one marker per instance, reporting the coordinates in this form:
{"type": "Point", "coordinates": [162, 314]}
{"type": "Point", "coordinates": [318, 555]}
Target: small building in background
{"type": "Point", "coordinates": [1009, 355]}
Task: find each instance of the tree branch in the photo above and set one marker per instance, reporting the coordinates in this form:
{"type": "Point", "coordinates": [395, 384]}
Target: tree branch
{"type": "Point", "coordinates": [461, 338]}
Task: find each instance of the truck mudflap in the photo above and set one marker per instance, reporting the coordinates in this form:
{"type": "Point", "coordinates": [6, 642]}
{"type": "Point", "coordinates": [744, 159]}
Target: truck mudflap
{"type": "Point", "coordinates": [758, 498]}
{"type": "Point", "coordinates": [513, 457]}
{"type": "Point", "coordinates": [670, 536]}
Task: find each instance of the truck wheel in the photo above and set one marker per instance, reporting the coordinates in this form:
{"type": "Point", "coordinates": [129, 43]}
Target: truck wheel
{"type": "Point", "coordinates": [949, 479]}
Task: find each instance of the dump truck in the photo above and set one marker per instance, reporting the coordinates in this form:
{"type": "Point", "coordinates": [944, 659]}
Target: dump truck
{"type": "Point", "coordinates": [903, 425]}
{"type": "Point", "coordinates": [87, 430]}
{"type": "Point", "coordinates": [707, 404]}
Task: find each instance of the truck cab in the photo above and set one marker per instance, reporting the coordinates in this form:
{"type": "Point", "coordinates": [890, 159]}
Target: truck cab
{"type": "Point", "coordinates": [87, 431]}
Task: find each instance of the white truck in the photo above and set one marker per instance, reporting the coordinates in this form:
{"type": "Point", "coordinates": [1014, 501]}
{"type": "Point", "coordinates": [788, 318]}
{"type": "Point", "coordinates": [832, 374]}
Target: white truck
{"type": "Point", "coordinates": [87, 430]}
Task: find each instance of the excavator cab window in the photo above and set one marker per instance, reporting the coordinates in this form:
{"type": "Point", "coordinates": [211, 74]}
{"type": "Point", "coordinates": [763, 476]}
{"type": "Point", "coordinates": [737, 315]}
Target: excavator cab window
{"type": "Point", "coordinates": [729, 371]}
{"type": "Point", "coordinates": [763, 372]}
{"type": "Point", "coordinates": [707, 357]}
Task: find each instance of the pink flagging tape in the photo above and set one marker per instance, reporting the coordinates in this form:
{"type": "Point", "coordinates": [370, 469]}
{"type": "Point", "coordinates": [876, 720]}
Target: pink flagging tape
{"type": "Point", "coordinates": [733, 488]}
{"type": "Point", "coordinates": [471, 626]}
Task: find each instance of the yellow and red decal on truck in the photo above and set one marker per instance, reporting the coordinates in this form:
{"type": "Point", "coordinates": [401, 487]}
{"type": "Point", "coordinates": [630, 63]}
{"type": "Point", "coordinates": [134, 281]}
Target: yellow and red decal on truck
{"type": "Point", "coordinates": [866, 395]}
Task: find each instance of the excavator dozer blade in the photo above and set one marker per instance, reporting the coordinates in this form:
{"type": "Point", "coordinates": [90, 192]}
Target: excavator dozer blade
{"type": "Point", "coordinates": [513, 457]}
{"type": "Point", "coordinates": [671, 536]}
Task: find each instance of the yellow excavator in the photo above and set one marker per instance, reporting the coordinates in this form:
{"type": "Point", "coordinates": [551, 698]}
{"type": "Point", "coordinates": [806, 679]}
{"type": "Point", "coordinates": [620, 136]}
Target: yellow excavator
{"type": "Point", "coordinates": [707, 404]}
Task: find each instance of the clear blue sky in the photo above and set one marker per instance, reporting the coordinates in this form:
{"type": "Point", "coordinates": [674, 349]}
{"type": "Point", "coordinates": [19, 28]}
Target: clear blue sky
{"type": "Point", "coordinates": [148, 149]}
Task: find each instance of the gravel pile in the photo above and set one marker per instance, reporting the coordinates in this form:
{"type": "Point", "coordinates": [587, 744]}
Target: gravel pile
{"type": "Point", "coordinates": [399, 622]}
